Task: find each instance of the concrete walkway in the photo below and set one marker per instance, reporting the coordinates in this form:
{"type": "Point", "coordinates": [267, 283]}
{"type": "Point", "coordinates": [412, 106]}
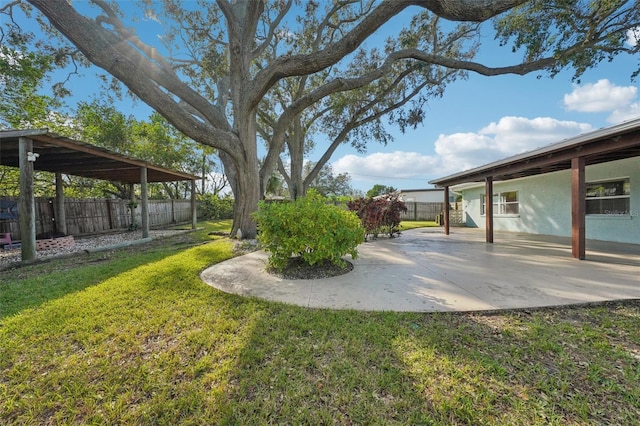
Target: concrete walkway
{"type": "Point", "coordinates": [424, 270]}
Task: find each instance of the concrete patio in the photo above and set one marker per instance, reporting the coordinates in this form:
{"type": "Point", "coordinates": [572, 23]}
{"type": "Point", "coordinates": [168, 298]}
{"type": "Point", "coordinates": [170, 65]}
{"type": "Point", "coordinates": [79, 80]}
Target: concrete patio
{"type": "Point", "coordinates": [424, 270]}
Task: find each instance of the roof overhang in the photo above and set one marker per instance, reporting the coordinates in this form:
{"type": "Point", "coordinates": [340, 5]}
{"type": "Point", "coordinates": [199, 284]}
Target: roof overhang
{"type": "Point", "coordinates": [601, 146]}
{"type": "Point", "coordinates": [406, 191]}
{"type": "Point", "coordinates": [63, 155]}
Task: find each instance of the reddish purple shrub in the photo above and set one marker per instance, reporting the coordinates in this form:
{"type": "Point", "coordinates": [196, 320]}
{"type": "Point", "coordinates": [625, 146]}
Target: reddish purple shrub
{"type": "Point", "coordinates": [380, 215]}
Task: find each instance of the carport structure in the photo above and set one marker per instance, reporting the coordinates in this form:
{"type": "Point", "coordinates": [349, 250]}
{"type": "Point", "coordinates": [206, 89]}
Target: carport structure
{"type": "Point", "coordinates": [613, 143]}
{"type": "Point", "coordinates": [39, 149]}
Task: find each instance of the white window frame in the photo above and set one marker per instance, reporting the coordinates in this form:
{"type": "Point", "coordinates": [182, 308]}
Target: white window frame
{"type": "Point", "coordinates": [500, 205]}
{"type": "Point", "coordinates": [602, 195]}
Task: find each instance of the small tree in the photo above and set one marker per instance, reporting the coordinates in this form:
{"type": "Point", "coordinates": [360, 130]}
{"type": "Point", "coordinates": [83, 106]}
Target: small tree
{"type": "Point", "coordinates": [308, 228]}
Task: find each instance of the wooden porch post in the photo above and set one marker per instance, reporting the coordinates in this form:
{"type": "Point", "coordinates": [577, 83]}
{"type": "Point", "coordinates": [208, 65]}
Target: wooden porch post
{"type": "Point", "coordinates": [446, 211]}
{"type": "Point", "coordinates": [578, 208]}
{"type": "Point", "coordinates": [27, 206]}
{"type": "Point", "coordinates": [488, 209]}
{"type": "Point", "coordinates": [61, 217]}
{"type": "Point", "coordinates": [144, 202]}
{"type": "Point", "coordinates": [194, 213]}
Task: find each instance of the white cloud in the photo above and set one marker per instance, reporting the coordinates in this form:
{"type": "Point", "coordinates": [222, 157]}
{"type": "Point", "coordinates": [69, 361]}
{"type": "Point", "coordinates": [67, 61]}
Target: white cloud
{"type": "Point", "coordinates": [509, 136]}
{"type": "Point", "coordinates": [514, 135]}
{"type": "Point", "coordinates": [460, 151]}
{"type": "Point", "coordinates": [605, 96]}
{"type": "Point", "coordinates": [398, 164]}
{"type": "Point", "coordinates": [628, 113]}
{"type": "Point", "coordinates": [633, 36]}
{"type": "Point", "coordinates": [599, 97]}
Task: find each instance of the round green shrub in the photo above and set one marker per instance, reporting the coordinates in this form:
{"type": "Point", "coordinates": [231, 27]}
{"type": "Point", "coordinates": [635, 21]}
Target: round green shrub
{"type": "Point", "coordinates": [309, 228]}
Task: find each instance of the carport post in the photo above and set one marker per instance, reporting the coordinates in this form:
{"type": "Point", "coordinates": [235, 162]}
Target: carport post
{"type": "Point", "coordinates": [578, 208]}
{"type": "Point", "coordinates": [446, 210]}
{"type": "Point", "coordinates": [488, 208]}
{"type": "Point", "coordinates": [145, 202]}
{"type": "Point", "coordinates": [132, 203]}
{"type": "Point", "coordinates": [61, 219]}
{"type": "Point", "coordinates": [194, 213]}
{"type": "Point", "coordinates": [27, 206]}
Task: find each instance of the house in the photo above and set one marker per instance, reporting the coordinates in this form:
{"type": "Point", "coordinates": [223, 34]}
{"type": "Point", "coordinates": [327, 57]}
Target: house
{"type": "Point", "coordinates": [586, 187]}
{"type": "Point", "coordinates": [432, 195]}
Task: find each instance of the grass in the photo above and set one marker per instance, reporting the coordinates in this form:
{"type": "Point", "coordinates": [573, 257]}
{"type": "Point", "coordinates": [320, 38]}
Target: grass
{"type": "Point", "coordinates": [134, 337]}
{"type": "Point", "coordinates": [411, 224]}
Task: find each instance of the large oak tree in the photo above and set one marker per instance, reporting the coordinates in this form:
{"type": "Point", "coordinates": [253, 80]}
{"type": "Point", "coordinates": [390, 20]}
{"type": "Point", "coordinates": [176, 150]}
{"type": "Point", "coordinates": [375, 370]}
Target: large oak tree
{"type": "Point", "coordinates": [215, 99]}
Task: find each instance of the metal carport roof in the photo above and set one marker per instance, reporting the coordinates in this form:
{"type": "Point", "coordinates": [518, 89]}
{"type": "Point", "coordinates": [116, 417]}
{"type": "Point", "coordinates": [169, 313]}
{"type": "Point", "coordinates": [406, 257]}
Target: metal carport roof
{"type": "Point", "coordinates": [72, 157]}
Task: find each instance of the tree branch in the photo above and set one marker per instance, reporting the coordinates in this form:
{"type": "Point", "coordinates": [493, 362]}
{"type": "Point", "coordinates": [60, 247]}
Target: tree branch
{"type": "Point", "coordinates": [273, 26]}
{"type": "Point", "coordinates": [141, 75]}
{"type": "Point", "coordinates": [288, 66]}
{"type": "Point", "coordinates": [469, 10]}
{"type": "Point", "coordinates": [357, 121]}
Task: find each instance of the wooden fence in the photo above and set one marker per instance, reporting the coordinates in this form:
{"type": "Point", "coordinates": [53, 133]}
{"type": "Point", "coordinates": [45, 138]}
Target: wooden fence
{"type": "Point", "coordinates": [95, 215]}
{"type": "Point", "coordinates": [426, 211]}
{"type": "Point", "coordinates": [422, 211]}
{"type": "Point", "coordinates": [433, 211]}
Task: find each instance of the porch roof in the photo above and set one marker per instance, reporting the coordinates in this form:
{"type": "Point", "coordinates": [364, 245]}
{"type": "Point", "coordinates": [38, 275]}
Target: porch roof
{"type": "Point", "coordinates": [600, 146]}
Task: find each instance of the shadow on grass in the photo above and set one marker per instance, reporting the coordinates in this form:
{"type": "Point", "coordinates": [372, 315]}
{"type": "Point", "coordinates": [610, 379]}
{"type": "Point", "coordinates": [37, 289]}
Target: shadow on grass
{"type": "Point", "coordinates": [566, 366]}
{"type": "Point", "coordinates": [152, 344]}
{"type": "Point", "coordinates": [32, 285]}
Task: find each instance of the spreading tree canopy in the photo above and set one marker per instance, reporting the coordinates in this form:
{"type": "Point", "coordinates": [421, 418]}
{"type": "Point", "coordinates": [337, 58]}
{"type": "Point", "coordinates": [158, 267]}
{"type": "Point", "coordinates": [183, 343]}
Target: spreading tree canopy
{"type": "Point", "coordinates": [217, 66]}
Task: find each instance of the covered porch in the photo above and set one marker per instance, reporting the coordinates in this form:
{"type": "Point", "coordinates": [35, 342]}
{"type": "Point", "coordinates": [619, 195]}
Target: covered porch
{"type": "Point", "coordinates": [575, 154]}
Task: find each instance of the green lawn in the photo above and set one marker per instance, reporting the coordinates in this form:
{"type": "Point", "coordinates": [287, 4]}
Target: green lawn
{"type": "Point", "coordinates": [411, 224]}
{"type": "Point", "coordinates": [134, 337]}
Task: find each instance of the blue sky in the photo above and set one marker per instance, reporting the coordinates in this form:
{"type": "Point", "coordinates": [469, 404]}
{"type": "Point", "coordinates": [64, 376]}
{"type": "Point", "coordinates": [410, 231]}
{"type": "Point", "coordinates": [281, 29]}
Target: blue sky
{"type": "Point", "coordinates": [478, 120]}
{"type": "Point", "coordinates": [485, 119]}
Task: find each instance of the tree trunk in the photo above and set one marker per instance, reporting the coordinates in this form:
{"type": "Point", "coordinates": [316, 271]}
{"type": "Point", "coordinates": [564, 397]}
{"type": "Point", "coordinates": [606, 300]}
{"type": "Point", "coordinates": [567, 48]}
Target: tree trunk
{"type": "Point", "coordinates": [242, 20]}
{"type": "Point", "coordinates": [246, 193]}
{"type": "Point", "coordinates": [247, 181]}
{"type": "Point", "coordinates": [230, 171]}
{"type": "Point", "coordinates": [296, 152]}
{"type": "Point", "coordinates": [296, 187]}
{"type": "Point", "coordinates": [246, 203]}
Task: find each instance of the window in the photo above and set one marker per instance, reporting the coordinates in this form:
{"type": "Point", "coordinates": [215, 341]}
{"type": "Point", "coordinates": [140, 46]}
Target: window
{"type": "Point", "coordinates": [610, 197]}
{"type": "Point", "coordinates": [504, 203]}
